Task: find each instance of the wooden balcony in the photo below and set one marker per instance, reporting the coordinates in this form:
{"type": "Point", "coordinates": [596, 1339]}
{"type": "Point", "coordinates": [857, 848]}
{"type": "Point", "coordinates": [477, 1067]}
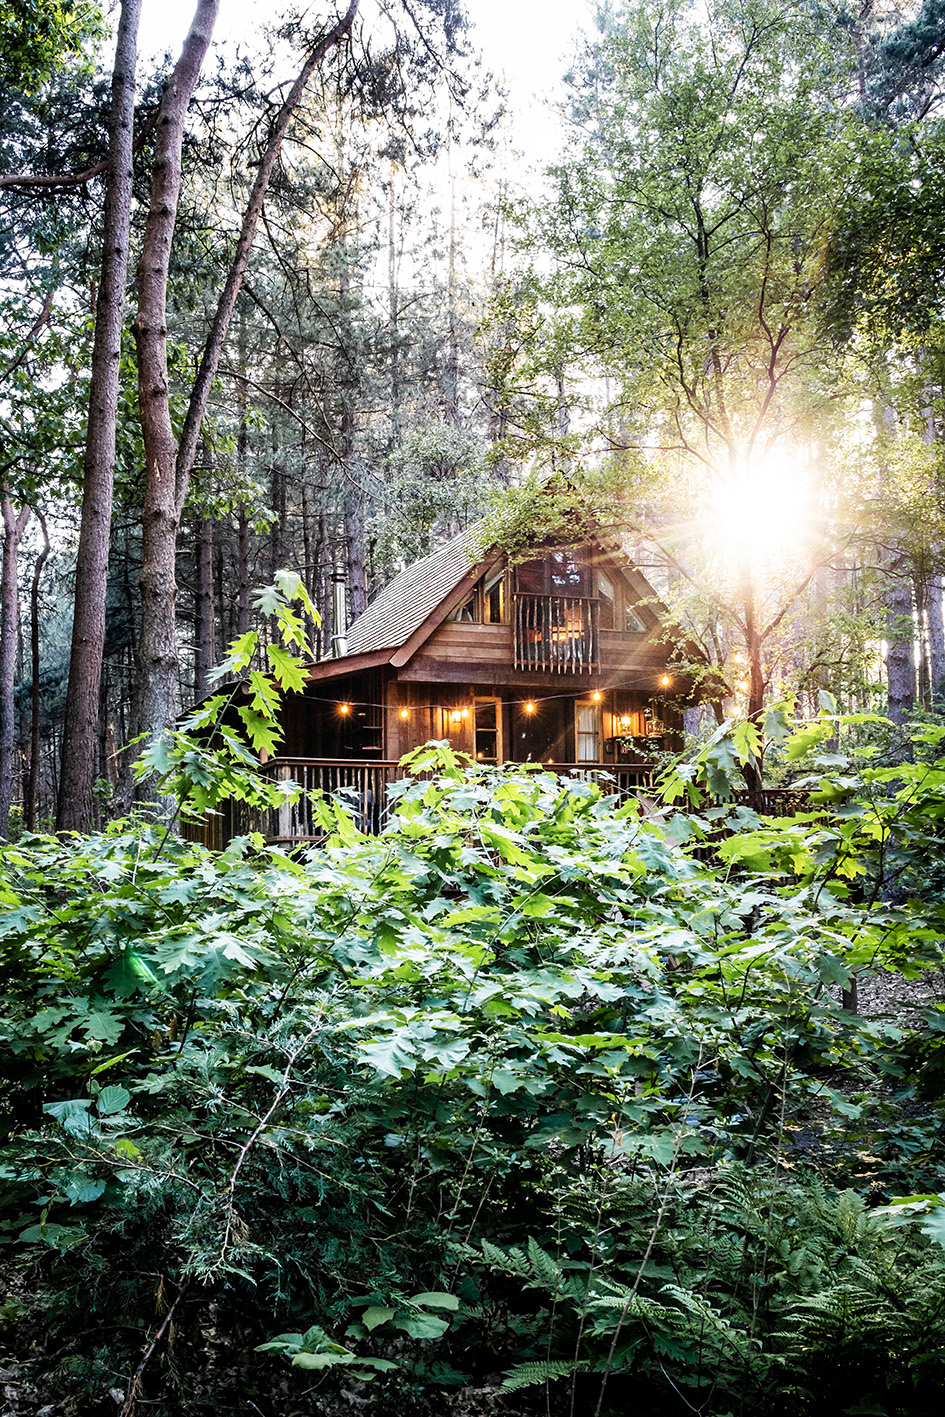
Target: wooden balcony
{"type": "Point", "coordinates": [558, 634]}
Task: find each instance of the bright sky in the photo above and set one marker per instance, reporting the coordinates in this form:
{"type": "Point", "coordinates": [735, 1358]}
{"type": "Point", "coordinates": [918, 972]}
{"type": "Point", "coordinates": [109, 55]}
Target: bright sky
{"type": "Point", "coordinates": [529, 42]}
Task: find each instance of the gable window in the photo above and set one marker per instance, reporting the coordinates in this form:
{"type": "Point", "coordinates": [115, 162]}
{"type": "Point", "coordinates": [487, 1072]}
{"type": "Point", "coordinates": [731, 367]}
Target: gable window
{"type": "Point", "coordinates": [608, 604]}
{"type": "Point", "coordinates": [634, 623]}
{"type": "Point", "coordinates": [493, 599]}
{"type": "Point", "coordinates": [556, 573]}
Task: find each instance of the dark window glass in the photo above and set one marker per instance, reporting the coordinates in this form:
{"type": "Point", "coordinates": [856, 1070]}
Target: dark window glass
{"type": "Point", "coordinates": [532, 577]}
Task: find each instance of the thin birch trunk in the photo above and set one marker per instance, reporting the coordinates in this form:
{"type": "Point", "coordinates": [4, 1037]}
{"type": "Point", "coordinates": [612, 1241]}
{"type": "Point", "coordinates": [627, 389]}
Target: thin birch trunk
{"type": "Point", "coordinates": [80, 723]}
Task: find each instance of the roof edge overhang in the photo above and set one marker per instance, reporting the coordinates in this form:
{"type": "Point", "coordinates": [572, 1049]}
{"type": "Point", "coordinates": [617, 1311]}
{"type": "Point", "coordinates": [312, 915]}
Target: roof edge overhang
{"type": "Point", "coordinates": [347, 664]}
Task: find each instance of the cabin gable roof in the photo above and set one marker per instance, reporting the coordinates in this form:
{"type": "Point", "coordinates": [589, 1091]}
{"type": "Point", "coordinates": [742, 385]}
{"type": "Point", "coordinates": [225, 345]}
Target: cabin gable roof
{"type": "Point", "coordinates": [411, 598]}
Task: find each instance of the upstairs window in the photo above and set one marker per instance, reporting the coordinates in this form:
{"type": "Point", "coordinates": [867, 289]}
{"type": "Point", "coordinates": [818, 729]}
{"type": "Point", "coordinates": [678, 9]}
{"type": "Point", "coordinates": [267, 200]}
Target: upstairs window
{"type": "Point", "coordinates": [608, 604]}
{"type": "Point", "coordinates": [555, 573]}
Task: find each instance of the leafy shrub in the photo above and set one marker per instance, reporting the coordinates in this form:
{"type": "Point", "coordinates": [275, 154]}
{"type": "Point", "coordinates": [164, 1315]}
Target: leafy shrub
{"type": "Point", "coordinates": [515, 1084]}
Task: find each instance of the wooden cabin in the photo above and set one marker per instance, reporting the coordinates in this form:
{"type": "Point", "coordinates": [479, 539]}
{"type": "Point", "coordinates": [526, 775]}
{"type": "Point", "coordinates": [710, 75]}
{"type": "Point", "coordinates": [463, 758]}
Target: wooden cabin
{"type": "Point", "coordinates": [554, 659]}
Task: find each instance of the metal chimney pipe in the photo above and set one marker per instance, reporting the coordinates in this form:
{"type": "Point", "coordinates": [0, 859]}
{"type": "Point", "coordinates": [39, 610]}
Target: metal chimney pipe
{"type": "Point", "coordinates": [339, 613]}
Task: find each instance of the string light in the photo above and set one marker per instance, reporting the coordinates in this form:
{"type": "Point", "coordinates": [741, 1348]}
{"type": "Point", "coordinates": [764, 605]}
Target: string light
{"type": "Point", "coordinates": [631, 685]}
{"type": "Point", "coordinates": [665, 681]}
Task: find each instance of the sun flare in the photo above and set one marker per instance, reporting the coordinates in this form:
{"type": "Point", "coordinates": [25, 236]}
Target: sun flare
{"type": "Point", "coordinates": [765, 511]}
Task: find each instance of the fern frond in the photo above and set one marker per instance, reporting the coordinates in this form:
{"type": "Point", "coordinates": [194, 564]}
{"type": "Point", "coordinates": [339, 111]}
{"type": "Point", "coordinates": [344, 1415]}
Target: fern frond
{"type": "Point", "coordinates": [533, 1374]}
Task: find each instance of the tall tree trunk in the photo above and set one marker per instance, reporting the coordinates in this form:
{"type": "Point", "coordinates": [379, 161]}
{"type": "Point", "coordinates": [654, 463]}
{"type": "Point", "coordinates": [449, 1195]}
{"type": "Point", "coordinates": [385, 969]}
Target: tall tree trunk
{"type": "Point", "coordinates": [80, 724]}
{"type": "Point", "coordinates": [32, 782]}
{"type": "Point", "coordinates": [167, 467]}
{"type": "Point", "coordinates": [393, 299]}
{"type": "Point", "coordinates": [203, 609]}
{"type": "Point", "coordinates": [156, 677]}
{"type": "Point", "coordinates": [451, 400]}
{"type": "Point", "coordinates": [900, 661]}
{"type": "Point", "coordinates": [13, 527]}
{"type": "Point", "coordinates": [936, 634]}
{"type": "Point", "coordinates": [356, 559]}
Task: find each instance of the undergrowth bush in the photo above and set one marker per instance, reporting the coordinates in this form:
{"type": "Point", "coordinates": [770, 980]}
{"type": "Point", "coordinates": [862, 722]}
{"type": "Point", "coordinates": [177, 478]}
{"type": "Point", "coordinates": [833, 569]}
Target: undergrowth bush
{"type": "Point", "coordinates": [531, 1089]}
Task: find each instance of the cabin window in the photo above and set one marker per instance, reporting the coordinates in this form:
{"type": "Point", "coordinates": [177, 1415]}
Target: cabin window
{"type": "Point", "coordinates": [488, 731]}
{"type": "Point", "coordinates": [608, 604]}
{"type": "Point", "coordinates": [494, 600]}
{"type": "Point", "coordinates": [567, 574]}
{"type": "Point", "coordinates": [468, 612]}
{"type": "Point", "coordinates": [555, 573]}
{"type": "Point", "coordinates": [587, 732]}
{"type": "Point", "coordinates": [633, 622]}
{"type": "Point", "coordinates": [531, 577]}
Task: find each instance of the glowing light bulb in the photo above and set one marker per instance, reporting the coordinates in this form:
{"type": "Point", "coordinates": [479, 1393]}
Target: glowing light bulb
{"type": "Point", "coordinates": [345, 708]}
{"type": "Point", "coordinates": [665, 681]}
{"type": "Point", "coordinates": [596, 696]}
{"type": "Point", "coordinates": [404, 713]}
{"type": "Point", "coordinates": [529, 708]}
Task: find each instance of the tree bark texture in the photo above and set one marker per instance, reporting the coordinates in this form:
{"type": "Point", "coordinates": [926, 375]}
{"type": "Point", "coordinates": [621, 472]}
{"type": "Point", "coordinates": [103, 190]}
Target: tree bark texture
{"type": "Point", "coordinates": [936, 634]}
{"type": "Point", "coordinates": [156, 676]}
{"type": "Point", "coordinates": [80, 725]}
{"type": "Point", "coordinates": [900, 662]}
{"type": "Point", "coordinates": [168, 467]}
{"type": "Point", "coordinates": [203, 617]}
{"type": "Point", "coordinates": [14, 524]}
{"type": "Point", "coordinates": [32, 781]}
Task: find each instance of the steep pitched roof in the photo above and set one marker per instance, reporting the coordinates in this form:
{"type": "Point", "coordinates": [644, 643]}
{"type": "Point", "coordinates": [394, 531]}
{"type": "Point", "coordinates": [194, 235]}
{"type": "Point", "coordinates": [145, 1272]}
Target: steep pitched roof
{"type": "Point", "coordinates": [411, 597]}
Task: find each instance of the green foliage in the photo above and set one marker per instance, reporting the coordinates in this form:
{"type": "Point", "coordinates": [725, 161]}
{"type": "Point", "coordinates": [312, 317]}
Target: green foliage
{"type": "Point", "coordinates": [37, 36]}
{"type": "Point", "coordinates": [533, 1082]}
{"type": "Point", "coordinates": [215, 754]}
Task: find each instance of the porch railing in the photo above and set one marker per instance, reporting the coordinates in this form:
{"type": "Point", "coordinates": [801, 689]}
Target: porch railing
{"type": "Point", "coordinates": [557, 633]}
{"type": "Point", "coordinates": [363, 787]}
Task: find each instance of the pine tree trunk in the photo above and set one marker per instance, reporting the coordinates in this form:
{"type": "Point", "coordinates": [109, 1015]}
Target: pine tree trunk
{"type": "Point", "coordinates": [156, 676]}
{"type": "Point", "coordinates": [203, 609]}
{"type": "Point", "coordinates": [13, 527]}
{"type": "Point", "coordinates": [168, 467]}
{"type": "Point", "coordinates": [936, 634]}
{"type": "Point", "coordinates": [80, 724]}
{"type": "Point", "coordinates": [900, 662]}
{"type": "Point", "coordinates": [32, 781]}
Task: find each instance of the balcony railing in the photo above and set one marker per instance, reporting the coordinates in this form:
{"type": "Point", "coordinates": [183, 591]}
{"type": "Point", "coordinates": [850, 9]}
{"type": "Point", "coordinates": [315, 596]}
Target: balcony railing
{"type": "Point", "coordinates": [556, 633]}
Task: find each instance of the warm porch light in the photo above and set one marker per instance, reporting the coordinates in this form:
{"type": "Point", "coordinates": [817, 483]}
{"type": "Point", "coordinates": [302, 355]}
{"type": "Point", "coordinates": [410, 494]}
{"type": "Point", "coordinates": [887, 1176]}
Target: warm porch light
{"type": "Point", "coordinates": [665, 681]}
{"type": "Point", "coordinates": [596, 696]}
{"type": "Point", "coordinates": [529, 708]}
{"type": "Point", "coordinates": [345, 708]}
{"type": "Point", "coordinates": [404, 713]}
